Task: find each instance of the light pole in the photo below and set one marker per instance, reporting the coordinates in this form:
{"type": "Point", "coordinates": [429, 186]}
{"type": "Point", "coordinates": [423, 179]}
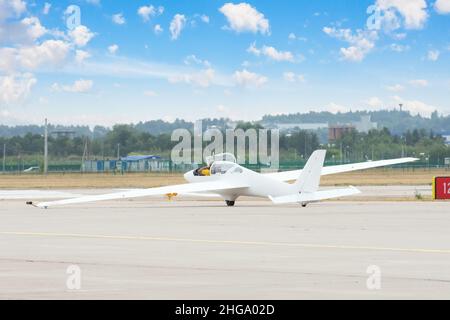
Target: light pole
{"type": "Point", "coordinates": [103, 149]}
{"type": "Point", "coordinates": [305, 142]}
{"type": "Point", "coordinates": [348, 153]}
{"type": "Point", "coordinates": [4, 156]}
{"type": "Point", "coordinates": [45, 147]}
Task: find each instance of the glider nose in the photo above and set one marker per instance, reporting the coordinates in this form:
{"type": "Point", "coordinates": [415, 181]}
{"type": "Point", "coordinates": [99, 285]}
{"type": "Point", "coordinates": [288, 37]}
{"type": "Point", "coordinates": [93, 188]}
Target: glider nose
{"type": "Point", "coordinates": [189, 176]}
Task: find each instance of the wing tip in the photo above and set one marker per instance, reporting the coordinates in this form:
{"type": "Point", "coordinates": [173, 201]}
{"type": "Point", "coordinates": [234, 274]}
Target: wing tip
{"type": "Point", "coordinates": [275, 200]}
{"type": "Point", "coordinates": [356, 190]}
{"type": "Point", "coordinates": [41, 205]}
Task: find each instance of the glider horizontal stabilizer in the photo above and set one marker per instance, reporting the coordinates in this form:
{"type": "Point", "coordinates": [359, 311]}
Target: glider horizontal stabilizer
{"type": "Point", "coordinates": [315, 196]}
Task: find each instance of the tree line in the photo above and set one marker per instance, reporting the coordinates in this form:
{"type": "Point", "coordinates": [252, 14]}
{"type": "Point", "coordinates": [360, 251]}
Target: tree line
{"type": "Point", "coordinates": [396, 120]}
{"type": "Point", "coordinates": [123, 140]}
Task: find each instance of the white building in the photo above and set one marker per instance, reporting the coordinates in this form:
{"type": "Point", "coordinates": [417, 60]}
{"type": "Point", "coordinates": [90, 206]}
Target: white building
{"type": "Point", "coordinates": [364, 125]}
{"type": "Point", "coordinates": [447, 139]}
{"type": "Point", "coordinates": [283, 127]}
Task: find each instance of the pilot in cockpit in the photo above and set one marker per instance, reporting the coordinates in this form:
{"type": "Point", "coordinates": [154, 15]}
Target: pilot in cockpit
{"type": "Point", "coordinates": [206, 171]}
{"type": "Point", "coordinates": [203, 171]}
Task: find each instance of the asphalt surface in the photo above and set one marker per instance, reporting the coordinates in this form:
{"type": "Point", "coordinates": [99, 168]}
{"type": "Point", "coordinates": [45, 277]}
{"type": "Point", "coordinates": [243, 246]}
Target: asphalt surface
{"type": "Point", "coordinates": [189, 249]}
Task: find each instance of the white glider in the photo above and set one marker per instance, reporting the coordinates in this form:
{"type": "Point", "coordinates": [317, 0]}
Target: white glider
{"type": "Point", "coordinates": [230, 181]}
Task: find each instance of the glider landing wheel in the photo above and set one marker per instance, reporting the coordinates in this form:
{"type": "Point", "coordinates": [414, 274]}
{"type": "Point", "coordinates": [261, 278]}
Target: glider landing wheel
{"type": "Point", "coordinates": [230, 203]}
{"type": "Point", "coordinates": [304, 205]}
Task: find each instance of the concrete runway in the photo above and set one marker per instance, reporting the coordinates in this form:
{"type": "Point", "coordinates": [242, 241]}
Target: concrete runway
{"type": "Point", "coordinates": [185, 249]}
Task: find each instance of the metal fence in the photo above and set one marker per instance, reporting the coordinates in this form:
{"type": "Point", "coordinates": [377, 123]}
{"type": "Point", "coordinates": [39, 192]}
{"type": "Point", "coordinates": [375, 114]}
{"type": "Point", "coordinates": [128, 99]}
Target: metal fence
{"type": "Point", "coordinates": [167, 166]}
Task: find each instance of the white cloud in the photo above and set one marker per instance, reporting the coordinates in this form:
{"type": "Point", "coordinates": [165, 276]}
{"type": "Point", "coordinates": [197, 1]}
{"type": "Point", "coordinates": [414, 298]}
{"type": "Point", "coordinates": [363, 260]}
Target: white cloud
{"type": "Point", "coordinates": [203, 78]}
{"type": "Point", "coordinates": [43, 100]}
{"type": "Point", "coordinates": [243, 17]}
{"type": "Point", "coordinates": [413, 12]}
{"type": "Point", "coordinates": [118, 18]}
{"type": "Point", "coordinates": [122, 67]}
{"type": "Point", "coordinates": [253, 49]}
{"type": "Point", "coordinates": [21, 32]}
{"type": "Point", "coordinates": [81, 55]}
{"type": "Point", "coordinates": [50, 52]}
{"type": "Point", "coordinates": [222, 109]}
{"type": "Point", "coordinates": [292, 77]}
{"type": "Point", "coordinates": [113, 48]}
{"type": "Point", "coordinates": [335, 107]}
{"type": "Point", "coordinates": [204, 18]}
{"type": "Point", "coordinates": [147, 12]}
{"type": "Point", "coordinates": [419, 83]}
{"type": "Point", "coordinates": [227, 112]}
{"type": "Point", "coordinates": [374, 102]}
{"type": "Point", "coordinates": [4, 113]}
{"type": "Point", "coordinates": [192, 59]}
{"type": "Point", "coordinates": [16, 87]}
{"type": "Point", "coordinates": [249, 79]}
{"type": "Point", "coordinates": [289, 76]}
{"type": "Point", "coordinates": [395, 88]}
{"type": "Point", "coordinates": [94, 2]}
{"type": "Point", "coordinates": [353, 53]}
{"type": "Point", "coordinates": [399, 47]}
{"type": "Point", "coordinates": [442, 6]}
{"type": "Point", "coordinates": [11, 8]}
{"type": "Point", "coordinates": [79, 86]}
{"type": "Point", "coordinates": [276, 55]}
{"type": "Point", "coordinates": [433, 55]}
{"type": "Point", "coordinates": [26, 53]}
{"type": "Point", "coordinates": [271, 53]}
{"type": "Point", "coordinates": [176, 25]}
{"type": "Point", "coordinates": [46, 8]}
{"type": "Point", "coordinates": [33, 26]}
{"type": "Point", "coordinates": [81, 35]}
{"type": "Point", "coordinates": [158, 29]}
{"type": "Point", "coordinates": [399, 36]}
{"type": "Point", "coordinates": [8, 59]}
{"type": "Point", "coordinates": [293, 36]}
{"type": "Point", "coordinates": [150, 93]}
{"type": "Point", "coordinates": [415, 106]}
{"type": "Point", "coordinates": [361, 42]}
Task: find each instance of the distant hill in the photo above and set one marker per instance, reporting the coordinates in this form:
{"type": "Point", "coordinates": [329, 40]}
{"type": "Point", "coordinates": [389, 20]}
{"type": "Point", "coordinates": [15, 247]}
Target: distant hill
{"type": "Point", "coordinates": [21, 130]}
{"type": "Point", "coordinates": [156, 127]}
{"type": "Point", "coordinates": [153, 127]}
{"type": "Point", "coordinates": [396, 121]}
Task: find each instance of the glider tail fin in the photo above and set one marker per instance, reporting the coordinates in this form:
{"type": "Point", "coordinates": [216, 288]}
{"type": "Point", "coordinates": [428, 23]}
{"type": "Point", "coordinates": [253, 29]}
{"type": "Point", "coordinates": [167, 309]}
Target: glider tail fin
{"type": "Point", "coordinates": [309, 178]}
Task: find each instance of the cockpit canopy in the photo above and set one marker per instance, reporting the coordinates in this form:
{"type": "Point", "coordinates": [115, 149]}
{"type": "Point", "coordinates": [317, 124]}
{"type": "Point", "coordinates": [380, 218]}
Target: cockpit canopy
{"type": "Point", "coordinates": [228, 157]}
{"type": "Point", "coordinates": [223, 167]}
{"type": "Point", "coordinates": [219, 164]}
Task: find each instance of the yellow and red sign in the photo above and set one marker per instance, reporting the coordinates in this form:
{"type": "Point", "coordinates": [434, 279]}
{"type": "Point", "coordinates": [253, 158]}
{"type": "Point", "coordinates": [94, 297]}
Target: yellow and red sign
{"type": "Point", "coordinates": [441, 188]}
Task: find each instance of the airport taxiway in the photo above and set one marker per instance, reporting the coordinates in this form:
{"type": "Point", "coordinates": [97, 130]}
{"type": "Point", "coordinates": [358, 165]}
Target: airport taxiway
{"type": "Point", "coordinates": [189, 249]}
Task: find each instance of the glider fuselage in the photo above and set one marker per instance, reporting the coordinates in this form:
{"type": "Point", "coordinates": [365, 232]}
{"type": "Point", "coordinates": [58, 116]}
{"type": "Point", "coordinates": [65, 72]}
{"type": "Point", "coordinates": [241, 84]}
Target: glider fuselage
{"type": "Point", "coordinates": [258, 184]}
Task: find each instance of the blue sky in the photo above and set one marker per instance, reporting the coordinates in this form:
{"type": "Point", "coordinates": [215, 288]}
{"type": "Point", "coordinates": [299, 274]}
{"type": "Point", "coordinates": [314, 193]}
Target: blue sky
{"type": "Point", "coordinates": [141, 60]}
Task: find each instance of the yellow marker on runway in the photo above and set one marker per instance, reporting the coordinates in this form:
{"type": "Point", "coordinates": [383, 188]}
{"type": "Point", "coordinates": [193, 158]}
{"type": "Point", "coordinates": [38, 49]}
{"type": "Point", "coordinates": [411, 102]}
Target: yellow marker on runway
{"type": "Point", "coordinates": [171, 195]}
